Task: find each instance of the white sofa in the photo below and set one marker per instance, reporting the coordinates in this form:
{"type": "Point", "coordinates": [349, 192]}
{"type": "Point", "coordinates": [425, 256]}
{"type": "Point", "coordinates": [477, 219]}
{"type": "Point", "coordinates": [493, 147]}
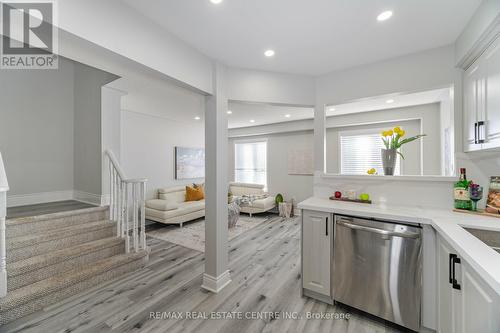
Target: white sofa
{"type": "Point", "coordinates": [258, 205]}
{"type": "Point", "coordinates": [171, 207]}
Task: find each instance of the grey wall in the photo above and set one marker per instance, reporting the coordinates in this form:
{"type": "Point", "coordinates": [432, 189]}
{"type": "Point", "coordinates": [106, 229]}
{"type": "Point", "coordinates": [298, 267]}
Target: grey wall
{"type": "Point", "coordinates": [87, 142]}
{"type": "Point", "coordinates": [299, 187]}
{"type": "Point", "coordinates": [36, 128]}
{"type": "Point", "coordinates": [50, 128]}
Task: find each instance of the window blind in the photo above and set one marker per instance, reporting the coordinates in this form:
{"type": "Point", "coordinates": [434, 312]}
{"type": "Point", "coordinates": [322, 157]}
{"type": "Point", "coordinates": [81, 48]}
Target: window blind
{"type": "Point", "coordinates": [251, 162]}
{"type": "Point", "coordinates": [359, 153]}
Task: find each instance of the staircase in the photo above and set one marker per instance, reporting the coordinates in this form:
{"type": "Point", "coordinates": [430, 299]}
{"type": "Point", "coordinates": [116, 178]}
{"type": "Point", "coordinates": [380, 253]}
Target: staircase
{"type": "Point", "coordinates": [51, 257]}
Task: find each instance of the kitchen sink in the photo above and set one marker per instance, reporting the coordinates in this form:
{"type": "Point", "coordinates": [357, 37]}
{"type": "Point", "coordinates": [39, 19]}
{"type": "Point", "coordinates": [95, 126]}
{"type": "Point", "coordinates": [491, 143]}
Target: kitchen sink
{"type": "Point", "coordinates": [490, 238]}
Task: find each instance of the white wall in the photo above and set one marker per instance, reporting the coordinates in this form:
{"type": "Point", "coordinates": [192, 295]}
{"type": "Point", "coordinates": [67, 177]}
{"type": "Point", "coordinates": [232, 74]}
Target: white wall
{"type": "Point", "coordinates": [148, 148]}
{"type": "Point", "coordinates": [268, 87]}
{"type": "Point", "coordinates": [36, 129]}
{"type": "Point", "coordinates": [429, 120]}
{"type": "Point", "coordinates": [298, 187]}
{"type": "Point", "coordinates": [415, 72]}
{"type": "Point", "coordinates": [149, 132]}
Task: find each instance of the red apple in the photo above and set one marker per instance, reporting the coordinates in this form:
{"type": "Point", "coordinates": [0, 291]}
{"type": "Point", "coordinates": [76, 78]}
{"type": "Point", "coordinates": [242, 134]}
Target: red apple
{"type": "Point", "coordinates": [338, 194]}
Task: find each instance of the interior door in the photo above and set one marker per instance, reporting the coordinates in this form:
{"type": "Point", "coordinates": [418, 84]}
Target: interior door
{"type": "Point", "coordinates": [316, 251]}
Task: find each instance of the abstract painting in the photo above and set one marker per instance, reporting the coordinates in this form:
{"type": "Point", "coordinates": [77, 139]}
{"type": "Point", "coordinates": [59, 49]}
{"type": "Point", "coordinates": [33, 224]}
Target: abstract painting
{"type": "Point", "coordinates": [189, 163]}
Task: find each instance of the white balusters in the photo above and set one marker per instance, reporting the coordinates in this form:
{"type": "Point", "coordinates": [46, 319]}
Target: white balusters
{"type": "Point", "coordinates": [127, 205]}
{"type": "Point", "coordinates": [4, 187]}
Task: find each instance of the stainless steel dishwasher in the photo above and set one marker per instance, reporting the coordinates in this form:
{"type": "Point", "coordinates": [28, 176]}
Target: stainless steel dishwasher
{"type": "Point", "coordinates": [377, 268]}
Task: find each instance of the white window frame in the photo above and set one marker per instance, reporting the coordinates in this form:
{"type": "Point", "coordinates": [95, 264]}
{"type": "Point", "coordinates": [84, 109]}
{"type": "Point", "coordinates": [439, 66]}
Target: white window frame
{"type": "Point", "coordinates": [366, 131]}
{"type": "Point", "coordinates": [235, 142]}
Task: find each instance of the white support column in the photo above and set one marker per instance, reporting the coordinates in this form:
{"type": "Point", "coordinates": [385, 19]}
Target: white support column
{"type": "Point", "coordinates": [319, 139]}
{"type": "Point", "coordinates": [4, 187]}
{"type": "Point", "coordinates": [216, 274]}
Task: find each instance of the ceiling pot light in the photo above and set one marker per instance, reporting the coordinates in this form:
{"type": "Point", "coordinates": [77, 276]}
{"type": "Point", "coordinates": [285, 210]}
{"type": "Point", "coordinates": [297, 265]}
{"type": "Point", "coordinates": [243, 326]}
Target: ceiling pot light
{"type": "Point", "coordinates": [197, 118]}
{"type": "Point", "coordinates": [252, 121]}
{"type": "Point", "coordinates": [229, 112]}
{"type": "Point", "coordinates": [389, 101]}
{"type": "Point", "coordinates": [269, 53]}
{"type": "Point", "coordinates": [216, 1]}
{"type": "Point", "coordinates": [384, 15]}
{"type": "Point", "coordinates": [331, 109]}
{"type": "Point", "coordinates": [287, 116]}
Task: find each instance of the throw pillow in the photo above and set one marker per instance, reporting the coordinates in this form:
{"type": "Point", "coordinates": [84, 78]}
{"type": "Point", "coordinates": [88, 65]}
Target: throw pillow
{"type": "Point", "coordinates": [194, 194]}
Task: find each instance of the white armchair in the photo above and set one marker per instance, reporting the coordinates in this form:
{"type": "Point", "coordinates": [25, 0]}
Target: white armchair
{"type": "Point", "coordinates": [256, 206]}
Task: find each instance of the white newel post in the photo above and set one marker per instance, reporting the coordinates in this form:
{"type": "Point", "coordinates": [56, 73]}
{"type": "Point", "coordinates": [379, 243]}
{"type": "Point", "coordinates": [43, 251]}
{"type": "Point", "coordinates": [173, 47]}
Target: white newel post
{"type": "Point", "coordinates": [4, 187]}
{"type": "Point", "coordinates": [216, 274]}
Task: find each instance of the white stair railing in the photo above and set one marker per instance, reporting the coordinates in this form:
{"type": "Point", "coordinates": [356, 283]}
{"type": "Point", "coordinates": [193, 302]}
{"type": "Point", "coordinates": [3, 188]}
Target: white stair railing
{"type": "Point", "coordinates": [126, 207]}
{"type": "Point", "coordinates": [4, 187]}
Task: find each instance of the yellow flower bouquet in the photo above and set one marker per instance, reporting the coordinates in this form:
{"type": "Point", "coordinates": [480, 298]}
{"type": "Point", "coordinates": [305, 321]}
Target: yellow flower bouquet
{"type": "Point", "coordinates": [393, 139]}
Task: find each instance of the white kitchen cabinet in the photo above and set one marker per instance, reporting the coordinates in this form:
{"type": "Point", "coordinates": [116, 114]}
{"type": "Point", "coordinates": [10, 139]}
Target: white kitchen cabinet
{"type": "Point", "coordinates": [465, 302]}
{"type": "Point", "coordinates": [317, 232]}
{"type": "Point", "coordinates": [491, 109]}
{"type": "Point", "coordinates": [481, 86]}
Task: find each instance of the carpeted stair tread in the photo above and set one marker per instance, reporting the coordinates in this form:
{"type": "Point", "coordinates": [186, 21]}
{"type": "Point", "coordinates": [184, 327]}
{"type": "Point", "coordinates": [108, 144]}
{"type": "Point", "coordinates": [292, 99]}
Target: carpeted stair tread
{"type": "Point", "coordinates": [44, 260]}
{"type": "Point", "coordinates": [56, 283]}
{"type": "Point", "coordinates": [50, 222]}
{"type": "Point", "coordinates": [29, 240]}
{"type": "Point", "coordinates": [52, 216]}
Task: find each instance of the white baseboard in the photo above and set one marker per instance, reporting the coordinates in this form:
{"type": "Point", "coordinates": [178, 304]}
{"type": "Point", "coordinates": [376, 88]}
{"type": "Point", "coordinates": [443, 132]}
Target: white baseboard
{"type": "Point", "coordinates": [44, 197]}
{"type": "Point", "coordinates": [216, 284]}
{"type": "Point", "coordinates": [36, 198]}
{"type": "Point", "coordinates": [90, 198]}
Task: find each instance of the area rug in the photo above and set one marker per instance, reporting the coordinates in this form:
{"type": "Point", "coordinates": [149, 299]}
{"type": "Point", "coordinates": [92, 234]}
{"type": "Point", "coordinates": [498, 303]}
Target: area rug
{"type": "Point", "coordinates": [192, 235]}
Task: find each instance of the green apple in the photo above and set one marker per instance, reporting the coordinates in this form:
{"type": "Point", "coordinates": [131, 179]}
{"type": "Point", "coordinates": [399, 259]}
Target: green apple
{"type": "Point", "coordinates": [364, 196]}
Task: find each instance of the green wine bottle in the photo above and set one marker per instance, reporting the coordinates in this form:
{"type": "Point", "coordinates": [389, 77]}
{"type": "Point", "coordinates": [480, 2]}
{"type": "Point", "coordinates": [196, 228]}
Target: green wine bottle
{"type": "Point", "coordinates": [461, 192]}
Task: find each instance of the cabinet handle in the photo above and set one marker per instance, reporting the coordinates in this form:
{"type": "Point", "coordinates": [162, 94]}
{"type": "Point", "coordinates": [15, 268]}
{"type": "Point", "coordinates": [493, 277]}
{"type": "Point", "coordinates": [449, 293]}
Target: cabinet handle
{"type": "Point", "coordinates": [326, 226]}
{"type": "Point", "coordinates": [480, 137]}
{"type": "Point", "coordinates": [456, 285]}
{"type": "Point", "coordinates": [475, 133]}
{"type": "Point", "coordinates": [450, 260]}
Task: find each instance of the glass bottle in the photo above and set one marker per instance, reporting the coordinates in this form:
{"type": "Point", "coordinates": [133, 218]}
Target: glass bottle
{"type": "Point", "coordinates": [461, 192]}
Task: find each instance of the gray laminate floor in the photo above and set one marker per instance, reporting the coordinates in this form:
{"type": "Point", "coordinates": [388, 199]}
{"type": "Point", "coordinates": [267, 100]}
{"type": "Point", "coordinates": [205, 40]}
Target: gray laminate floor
{"type": "Point", "coordinates": [45, 208]}
{"type": "Point", "coordinates": [265, 271]}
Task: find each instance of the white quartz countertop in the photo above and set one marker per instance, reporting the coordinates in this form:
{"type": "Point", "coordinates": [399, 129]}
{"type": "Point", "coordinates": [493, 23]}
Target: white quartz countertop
{"type": "Point", "coordinates": [450, 225]}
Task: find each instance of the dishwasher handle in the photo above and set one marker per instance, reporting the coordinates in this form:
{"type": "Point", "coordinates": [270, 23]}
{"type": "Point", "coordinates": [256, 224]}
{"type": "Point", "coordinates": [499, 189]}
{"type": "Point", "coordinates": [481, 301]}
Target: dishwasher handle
{"type": "Point", "coordinates": [383, 232]}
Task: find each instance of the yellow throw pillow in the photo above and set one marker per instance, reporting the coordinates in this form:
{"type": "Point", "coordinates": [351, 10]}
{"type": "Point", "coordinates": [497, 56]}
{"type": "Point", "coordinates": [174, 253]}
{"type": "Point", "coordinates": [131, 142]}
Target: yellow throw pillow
{"type": "Point", "coordinates": [194, 194]}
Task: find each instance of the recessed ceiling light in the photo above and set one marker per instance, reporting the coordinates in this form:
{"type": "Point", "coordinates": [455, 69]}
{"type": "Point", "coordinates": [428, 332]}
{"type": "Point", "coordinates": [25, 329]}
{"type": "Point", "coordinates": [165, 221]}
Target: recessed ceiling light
{"type": "Point", "coordinates": [229, 112]}
{"type": "Point", "coordinates": [197, 118]}
{"type": "Point", "coordinates": [331, 109]}
{"type": "Point", "coordinates": [252, 121]}
{"type": "Point", "coordinates": [269, 53]}
{"type": "Point", "coordinates": [384, 15]}
{"type": "Point", "coordinates": [389, 101]}
{"type": "Point", "coordinates": [287, 116]}
{"type": "Point", "coordinates": [216, 1]}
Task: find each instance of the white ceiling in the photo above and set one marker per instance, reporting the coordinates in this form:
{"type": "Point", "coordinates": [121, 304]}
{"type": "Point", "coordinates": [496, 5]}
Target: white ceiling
{"type": "Point", "coordinates": [309, 37]}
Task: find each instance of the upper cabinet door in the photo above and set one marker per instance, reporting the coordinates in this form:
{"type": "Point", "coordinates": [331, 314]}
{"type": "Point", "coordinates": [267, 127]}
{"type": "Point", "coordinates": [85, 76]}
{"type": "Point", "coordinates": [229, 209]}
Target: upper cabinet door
{"type": "Point", "coordinates": [470, 88]}
{"type": "Point", "coordinates": [491, 86]}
